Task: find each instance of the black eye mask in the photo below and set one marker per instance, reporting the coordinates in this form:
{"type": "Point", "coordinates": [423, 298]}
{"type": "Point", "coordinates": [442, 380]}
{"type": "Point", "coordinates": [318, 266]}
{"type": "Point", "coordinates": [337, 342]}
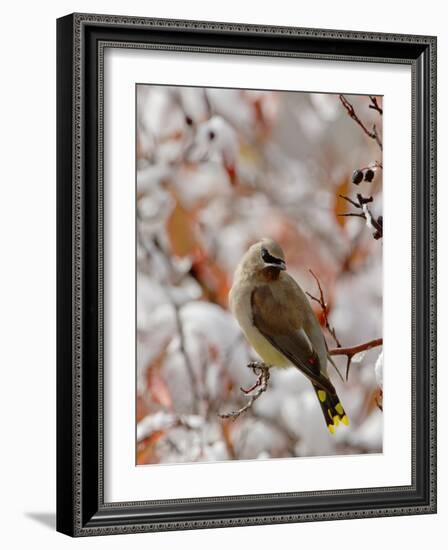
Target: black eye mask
{"type": "Point", "coordinates": [267, 258]}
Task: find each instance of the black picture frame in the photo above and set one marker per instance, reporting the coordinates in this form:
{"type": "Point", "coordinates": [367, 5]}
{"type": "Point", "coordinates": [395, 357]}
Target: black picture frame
{"type": "Point", "coordinates": [81, 510]}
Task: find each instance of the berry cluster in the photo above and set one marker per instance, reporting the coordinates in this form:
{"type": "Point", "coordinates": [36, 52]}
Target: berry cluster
{"type": "Point", "coordinates": [366, 174]}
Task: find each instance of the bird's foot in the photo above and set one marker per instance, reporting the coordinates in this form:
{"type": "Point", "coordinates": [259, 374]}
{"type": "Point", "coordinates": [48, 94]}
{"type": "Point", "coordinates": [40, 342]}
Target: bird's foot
{"type": "Point", "coordinates": [261, 370]}
{"type": "Point", "coordinates": [252, 388]}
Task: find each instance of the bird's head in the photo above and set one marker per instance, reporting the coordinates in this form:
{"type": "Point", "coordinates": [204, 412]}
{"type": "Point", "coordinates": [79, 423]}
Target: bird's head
{"type": "Point", "coordinates": [264, 259]}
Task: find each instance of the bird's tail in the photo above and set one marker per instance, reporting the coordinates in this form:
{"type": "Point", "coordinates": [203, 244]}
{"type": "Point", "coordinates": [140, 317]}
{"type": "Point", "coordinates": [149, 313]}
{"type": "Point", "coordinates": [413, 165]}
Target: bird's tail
{"type": "Point", "coordinates": [332, 408]}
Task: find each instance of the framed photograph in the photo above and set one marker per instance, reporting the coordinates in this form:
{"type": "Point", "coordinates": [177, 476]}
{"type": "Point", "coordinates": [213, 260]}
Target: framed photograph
{"type": "Point", "coordinates": [246, 274]}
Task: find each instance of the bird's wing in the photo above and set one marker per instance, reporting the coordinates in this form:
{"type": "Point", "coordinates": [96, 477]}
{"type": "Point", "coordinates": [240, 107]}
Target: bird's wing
{"type": "Point", "coordinates": [280, 322]}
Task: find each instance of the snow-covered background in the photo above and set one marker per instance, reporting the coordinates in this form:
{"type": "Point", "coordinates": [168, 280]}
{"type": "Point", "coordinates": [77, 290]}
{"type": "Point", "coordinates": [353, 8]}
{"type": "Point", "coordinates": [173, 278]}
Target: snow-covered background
{"type": "Point", "coordinates": [218, 169]}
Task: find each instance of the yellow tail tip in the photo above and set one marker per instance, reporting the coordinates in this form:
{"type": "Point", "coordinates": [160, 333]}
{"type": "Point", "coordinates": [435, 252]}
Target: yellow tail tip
{"type": "Point", "coordinates": [322, 395]}
{"type": "Point", "coordinates": [339, 408]}
{"type": "Point", "coordinates": [344, 420]}
{"type": "Point", "coordinates": [336, 420]}
{"type": "Point", "coordinates": [330, 428]}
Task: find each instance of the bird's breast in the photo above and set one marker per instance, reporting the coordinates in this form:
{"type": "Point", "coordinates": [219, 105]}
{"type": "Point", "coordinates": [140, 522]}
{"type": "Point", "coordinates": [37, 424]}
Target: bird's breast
{"type": "Point", "coordinates": [240, 304]}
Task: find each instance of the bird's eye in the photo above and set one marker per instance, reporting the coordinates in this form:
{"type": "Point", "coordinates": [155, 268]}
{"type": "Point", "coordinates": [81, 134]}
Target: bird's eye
{"type": "Point", "coordinates": [267, 258]}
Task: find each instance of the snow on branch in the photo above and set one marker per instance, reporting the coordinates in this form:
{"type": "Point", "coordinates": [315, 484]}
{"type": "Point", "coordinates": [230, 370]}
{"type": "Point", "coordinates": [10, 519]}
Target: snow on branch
{"type": "Point", "coordinates": [361, 204]}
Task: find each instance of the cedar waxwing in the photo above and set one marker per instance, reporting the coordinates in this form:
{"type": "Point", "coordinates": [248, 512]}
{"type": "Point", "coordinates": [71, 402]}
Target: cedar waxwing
{"type": "Point", "coordinates": [278, 321]}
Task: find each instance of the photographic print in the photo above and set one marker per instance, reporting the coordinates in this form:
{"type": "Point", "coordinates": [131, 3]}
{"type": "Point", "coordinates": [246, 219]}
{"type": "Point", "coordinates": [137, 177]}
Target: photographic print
{"type": "Point", "coordinates": [228, 308]}
{"type": "Point", "coordinates": [259, 274]}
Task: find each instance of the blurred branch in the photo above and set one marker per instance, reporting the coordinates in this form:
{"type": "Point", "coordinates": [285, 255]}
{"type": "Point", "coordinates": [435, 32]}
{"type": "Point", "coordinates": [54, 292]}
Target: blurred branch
{"type": "Point", "coordinates": [188, 365]}
{"type": "Point", "coordinates": [352, 351]}
{"type": "Point", "coordinates": [290, 437]}
{"type": "Point", "coordinates": [261, 370]}
{"type": "Point", "coordinates": [324, 307]}
{"type": "Point", "coordinates": [352, 114]}
{"type": "Point", "coordinates": [178, 320]}
{"type": "Point", "coordinates": [169, 422]}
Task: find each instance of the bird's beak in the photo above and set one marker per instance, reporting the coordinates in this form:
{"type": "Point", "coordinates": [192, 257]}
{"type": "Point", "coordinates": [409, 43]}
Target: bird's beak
{"type": "Point", "coordinates": [281, 265]}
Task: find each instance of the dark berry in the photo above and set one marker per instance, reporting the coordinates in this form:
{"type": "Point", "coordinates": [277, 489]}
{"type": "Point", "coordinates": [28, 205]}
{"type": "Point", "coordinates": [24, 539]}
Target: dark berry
{"type": "Point", "coordinates": [357, 177]}
{"type": "Point", "coordinates": [369, 175]}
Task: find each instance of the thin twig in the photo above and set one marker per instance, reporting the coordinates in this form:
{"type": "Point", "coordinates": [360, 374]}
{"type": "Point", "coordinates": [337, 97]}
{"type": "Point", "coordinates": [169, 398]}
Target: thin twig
{"type": "Point", "coordinates": [324, 307]}
{"type": "Point", "coordinates": [374, 105]}
{"type": "Point", "coordinates": [352, 215]}
{"type": "Point", "coordinates": [333, 364]}
{"type": "Point", "coordinates": [376, 137]}
{"type": "Point", "coordinates": [354, 350]}
{"type": "Point", "coordinates": [352, 114]}
{"type": "Point", "coordinates": [351, 201]}
{"type": "Point", "coordinates": [379, 400]}
{"type": "Point", "coordinates": [366, 214]}
{"type": "Point", "coordinates": [261, 370]}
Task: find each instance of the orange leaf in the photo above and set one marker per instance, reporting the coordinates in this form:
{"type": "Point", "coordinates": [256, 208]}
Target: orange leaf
{"type": "Point", "coordinates": [213, 279]}
{"type": "Point", "coordinates": [145, 448]}
{"type": "Point", "coordinates": [340, 205]}
{"type": "Point", "coordinates": [181, 231]}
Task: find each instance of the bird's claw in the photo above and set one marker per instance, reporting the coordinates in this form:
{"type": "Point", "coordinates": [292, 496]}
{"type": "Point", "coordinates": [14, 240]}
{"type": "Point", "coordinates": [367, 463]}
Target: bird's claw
{"type": "Point", "coordinates": [252, 388]}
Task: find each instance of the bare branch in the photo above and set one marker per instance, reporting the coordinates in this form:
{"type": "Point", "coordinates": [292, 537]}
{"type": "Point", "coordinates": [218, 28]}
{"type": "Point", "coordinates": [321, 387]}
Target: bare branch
{"type": "Point", "coordinates": [261, 370]}
{"type": "Point", "coordinates": [348, 352]}
{"type": "Point", "coordinates": [352, 351]}
{"type": "Point", "coordinates": [324, 307]}
{"type": "Point", "coordinates": [352, 114]}
{"type": "Point", "coordinates": [366, 214]}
